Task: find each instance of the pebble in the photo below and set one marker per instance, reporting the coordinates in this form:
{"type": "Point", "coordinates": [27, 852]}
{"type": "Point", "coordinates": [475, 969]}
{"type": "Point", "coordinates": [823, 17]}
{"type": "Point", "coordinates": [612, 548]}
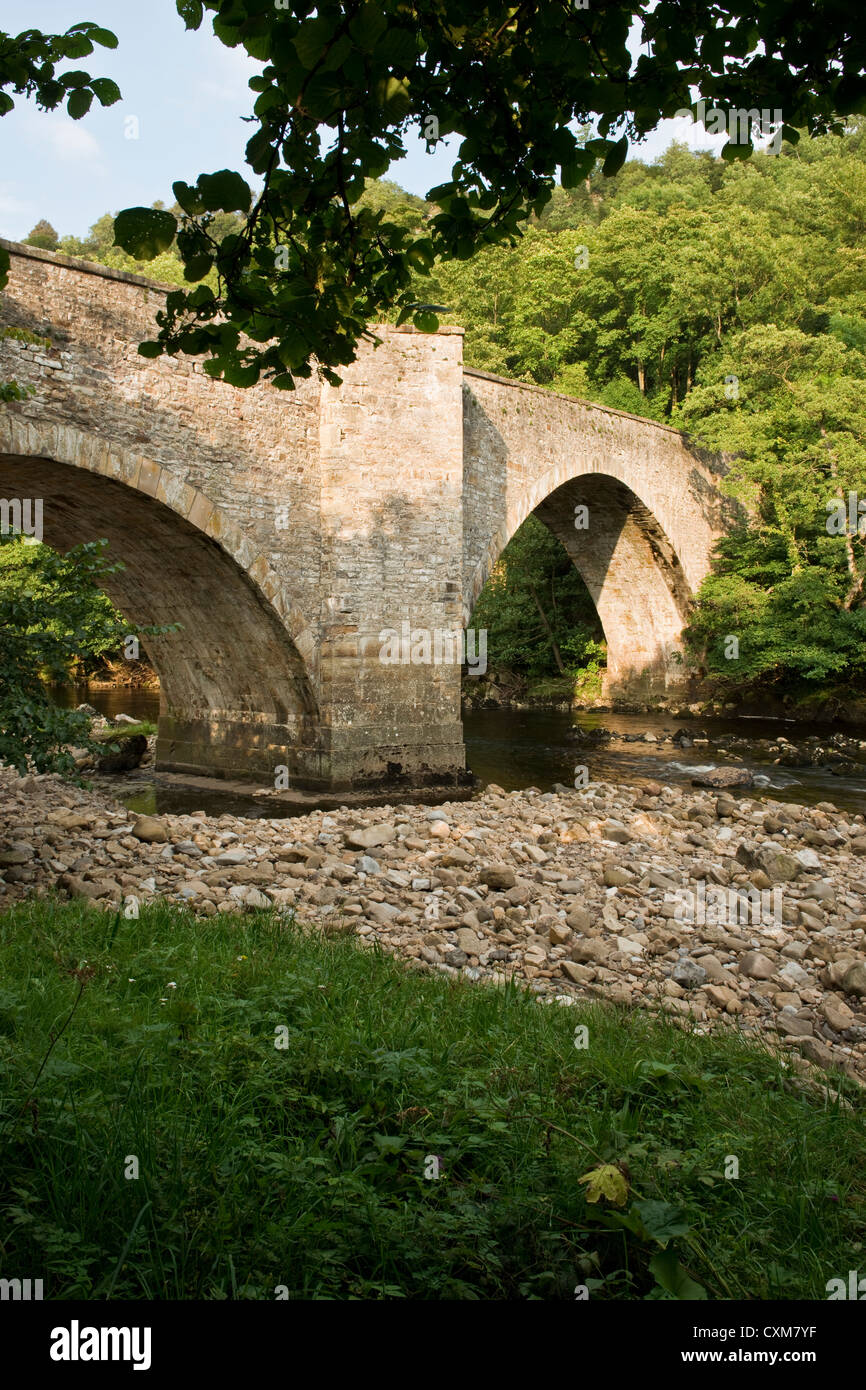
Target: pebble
{"type": "Point", "coordinates": [574, 894]}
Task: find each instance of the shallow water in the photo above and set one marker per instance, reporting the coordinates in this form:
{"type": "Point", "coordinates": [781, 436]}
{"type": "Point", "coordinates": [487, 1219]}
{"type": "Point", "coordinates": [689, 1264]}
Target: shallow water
{"type": "Point", "coordinates": [531, 748]}
{"type": "Point", "coordinates": [518, 748]}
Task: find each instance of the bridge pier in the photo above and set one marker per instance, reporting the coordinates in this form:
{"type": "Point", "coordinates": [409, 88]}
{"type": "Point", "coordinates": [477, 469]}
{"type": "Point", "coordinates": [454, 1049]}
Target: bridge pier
{"type": "Point", "coordinates": [391, 460]}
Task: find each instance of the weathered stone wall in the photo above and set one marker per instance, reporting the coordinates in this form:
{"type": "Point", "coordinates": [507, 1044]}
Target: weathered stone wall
{"type": "Point", "coordinates": [286, 532]}
{"type": "Point", "coordinates": [391, 461]}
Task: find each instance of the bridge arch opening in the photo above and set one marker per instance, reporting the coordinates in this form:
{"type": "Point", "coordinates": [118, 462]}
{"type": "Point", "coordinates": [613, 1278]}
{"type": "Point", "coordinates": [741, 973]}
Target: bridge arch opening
{"type": "Point", "coordinates": [631, 571]}
{"type": "Point", "coordinates": [236, 699]}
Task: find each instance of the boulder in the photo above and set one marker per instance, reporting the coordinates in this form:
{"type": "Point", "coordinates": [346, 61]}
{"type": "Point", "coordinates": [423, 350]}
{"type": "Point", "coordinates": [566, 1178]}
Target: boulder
{"type": "Point", "coordinates": [580, 920]}
{"type": "Point", "coordinates": [757, 966]}
{"type": "Point", "coordinates": [578, 974]}
{"type": "Point", "coordinates": [688, 974]}
{"type": "Point", "coordinates": [498, 876]}
{"type": "Point", "coordinates": [77, 887]}
{"type": "Point", "coordinates": [369, 836]}
{"type": "Point", "coordinates": [790, 1026]}
{"type": "Point", "coordinates": [130, 752]}
{"type": "Point", "coordinates": [17, 853]}
{"type": "Point", "coordinates": [150, 830]}
{"type": "Point", "coordinates": [854, 981]}
{"type": "Point", "coordinates": [724, 777]}
{"type": "Point", "coordinates": [468, 941]}
{"type": "Point", "coordinates": [591, 952]}
{"type": "Point", "coordinates": [616, 877]}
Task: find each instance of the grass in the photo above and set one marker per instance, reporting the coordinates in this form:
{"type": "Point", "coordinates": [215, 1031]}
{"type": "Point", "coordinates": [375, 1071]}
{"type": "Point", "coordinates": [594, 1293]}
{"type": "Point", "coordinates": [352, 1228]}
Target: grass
{"type": "Point", "coordinates": [120, 731]}
{"type": "Point", "coordinates": [550, 688]}
{"type": "Point", "coordinates": [302, 1167]}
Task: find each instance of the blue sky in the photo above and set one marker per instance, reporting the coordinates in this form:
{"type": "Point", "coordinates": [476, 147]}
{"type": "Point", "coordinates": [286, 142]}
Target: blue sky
{"type": "Point", "coordinates": [188, 93]}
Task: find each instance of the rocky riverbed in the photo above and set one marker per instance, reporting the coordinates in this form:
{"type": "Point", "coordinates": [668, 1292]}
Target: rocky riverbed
{"type": "Point", "coordinates": [637, 897]}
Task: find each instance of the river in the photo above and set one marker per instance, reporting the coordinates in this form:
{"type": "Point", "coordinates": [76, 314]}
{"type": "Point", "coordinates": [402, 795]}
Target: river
{"type": "Point", "coordinates": [532, 748]}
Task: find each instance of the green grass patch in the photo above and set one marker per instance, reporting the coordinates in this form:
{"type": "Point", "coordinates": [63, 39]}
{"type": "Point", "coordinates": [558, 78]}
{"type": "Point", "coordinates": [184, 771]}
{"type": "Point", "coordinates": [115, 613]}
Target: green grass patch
{"type": "Point", "coordinates": [304, 1165]}
{"type": "Point", "coordinates": [119, 731]}
{"type": "Point", "coordinates": [551, 688]}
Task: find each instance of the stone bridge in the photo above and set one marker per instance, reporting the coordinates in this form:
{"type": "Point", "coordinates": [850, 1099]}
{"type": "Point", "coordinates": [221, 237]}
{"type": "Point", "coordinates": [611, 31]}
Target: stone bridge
{"type": "Point", "coordinates": [285, 531]}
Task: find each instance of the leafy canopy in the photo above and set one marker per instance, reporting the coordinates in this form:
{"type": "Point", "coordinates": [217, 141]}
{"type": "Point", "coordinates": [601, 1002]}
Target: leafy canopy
{"type": "Point", "coordinates": [29, 63]}
{"type": "Point", "coordinates": [342, 84]}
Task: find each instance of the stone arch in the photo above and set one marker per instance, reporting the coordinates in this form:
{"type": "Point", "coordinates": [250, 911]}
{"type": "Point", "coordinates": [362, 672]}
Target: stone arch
{"type": "Point", "coordinates": [238, 694]}
{"type": "Point", "coordinates": [627, 561]}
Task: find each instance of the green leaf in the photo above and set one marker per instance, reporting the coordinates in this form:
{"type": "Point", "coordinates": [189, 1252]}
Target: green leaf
{"type": "Point", "coordinates": [106, 91]}
{"type": "Point", "coordinates": [661, 1221]}
{"type": "Point", "coordinates": [77, 78]}
{"type": "Point", "coordinates": [615, 158]}
{"type": "Point", "coordinates": [197, 267]}
{"type": "Point", "coordinates": [577, 167]}
{"type": "Point", "coordinates": [191, 12]}
{"type": "Point", "coordinates": [425, 321]}
{"type": "Point", "coordinates": [190, 199]}
{"type": "Point", "coordinates": [75, 44]}
{"type": "Point", "coordinates": [850, 94]}
{"type": "Point", "coordinates": [104, 37]}
{"type": "Point", "coordinates": [144, 232]}
{"type": "Point", "coordinates": [201, 295]}
{"type": "Point", "coordinates": [224, 191]}
{"type": "Point", "coordinates": [393, 94]}
{"type": "Point", "coordinates": [237, 375]}
{"type": "Point", "coordinates": [673, 1277]}
{"type": "Point", "coordinates": [398, 49]}
{"type": "Point", "coordinates": [368, 26]}
{"type": "Point", "coordinates": [731, 151]}
{"type": "Point", "coordinates": [293, 349]}
{"type": "Point", "coordinates": [390, 1143]}
{"type": "Point", "coordinates": [150, 349]}
{"type": "Point", "coordinates": [79, 103]}
{"type": "Point", "coordinates": [310, 40]}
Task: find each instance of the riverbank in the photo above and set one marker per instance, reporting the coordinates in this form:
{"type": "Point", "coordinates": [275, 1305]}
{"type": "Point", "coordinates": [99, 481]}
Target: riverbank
{"type": "Point", "coordinates": [301, 1117]}
{"type": "Point", "coordinates": [609, 893]}
{"type": "Point", "coordinates": [505, 690]}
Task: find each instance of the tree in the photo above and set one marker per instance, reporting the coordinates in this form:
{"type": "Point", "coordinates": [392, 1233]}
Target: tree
{"type": "Point", "coordinates": [536, 608]}
{"type": "Point", "coordinates": [52, 613]}
{"type": "Point", "coordinates": [343, 82]}
{"type": "Point", "coordinates": [43, 235]}
{"type": "Point", "coordinates": [788, 582]}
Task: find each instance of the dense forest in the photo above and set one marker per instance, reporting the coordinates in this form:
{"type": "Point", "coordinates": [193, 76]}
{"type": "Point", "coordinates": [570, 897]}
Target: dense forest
{"type": "Point", "coordinates": [728, 299]}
